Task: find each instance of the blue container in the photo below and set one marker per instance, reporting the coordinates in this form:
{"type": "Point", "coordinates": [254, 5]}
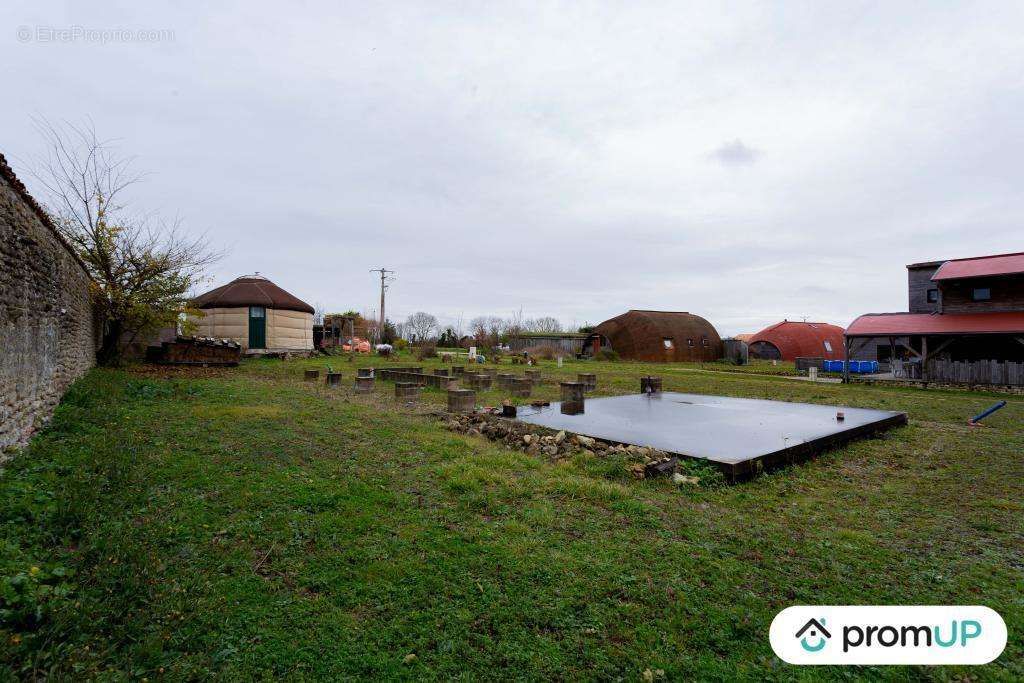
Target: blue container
{"type": "Point", "coordinates": [874, 366]}
{"type": "Point", "coordinates": [854, 366]}
{"type": "Point", "coordinates": [835, 366]}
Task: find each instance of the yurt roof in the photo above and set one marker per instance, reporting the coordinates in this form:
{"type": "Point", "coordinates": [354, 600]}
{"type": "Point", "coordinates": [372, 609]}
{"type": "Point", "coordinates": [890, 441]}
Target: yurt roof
{"type": "Point", "coordinates": [251, 290]}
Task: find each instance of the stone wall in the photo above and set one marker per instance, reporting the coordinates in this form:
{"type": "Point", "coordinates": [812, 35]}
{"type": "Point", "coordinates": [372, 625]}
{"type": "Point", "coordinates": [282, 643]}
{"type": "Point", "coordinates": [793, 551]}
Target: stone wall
{"type": "Point", "coordinates": [47, 326]}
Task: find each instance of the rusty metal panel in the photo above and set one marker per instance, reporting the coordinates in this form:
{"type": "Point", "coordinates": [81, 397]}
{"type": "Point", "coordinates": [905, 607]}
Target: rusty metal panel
{"type": "Point", "coordinates": [788, 340]}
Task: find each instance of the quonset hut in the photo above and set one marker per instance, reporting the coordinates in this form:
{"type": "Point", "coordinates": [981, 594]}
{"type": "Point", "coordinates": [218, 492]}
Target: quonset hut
{"type": "Point", "coordinates": [658, 336]}
{"type": "Point", "coordinates": [257, 314]}
{"type": "Point", "coordinates": [789, 340]}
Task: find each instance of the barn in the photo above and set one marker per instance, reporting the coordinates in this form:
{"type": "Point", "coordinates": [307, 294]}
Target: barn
{"type": "Point", "coordinates": [658, 336]}
{"type": "Point", "coordinates": [789, 340]}
{"type": "Point", "coordinates": [257, 314]}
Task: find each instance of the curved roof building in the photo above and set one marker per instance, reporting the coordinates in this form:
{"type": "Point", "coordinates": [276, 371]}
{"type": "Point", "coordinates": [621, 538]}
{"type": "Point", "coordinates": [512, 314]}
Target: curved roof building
{"type": "Point", "coordinates": [257, 314]}
{"type": "Point", "coordinates": [659, 336]}
{"type": "Point", "coordinates": [788, 340]}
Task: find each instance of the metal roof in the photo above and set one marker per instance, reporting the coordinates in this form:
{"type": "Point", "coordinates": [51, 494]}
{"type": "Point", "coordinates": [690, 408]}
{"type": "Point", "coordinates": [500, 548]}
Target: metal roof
{"type": "Point", "coordinates": [982, 266]}
{"type": "Point", "coordinates": [799, 339]}
{"type": "Point", "coordinates": [902, 324]}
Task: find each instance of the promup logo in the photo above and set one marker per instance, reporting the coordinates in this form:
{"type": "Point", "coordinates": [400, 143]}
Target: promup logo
{"type": "Point", "coordinates": [817, 630]}
{"type": "Point", "coordinates": [888, 635]}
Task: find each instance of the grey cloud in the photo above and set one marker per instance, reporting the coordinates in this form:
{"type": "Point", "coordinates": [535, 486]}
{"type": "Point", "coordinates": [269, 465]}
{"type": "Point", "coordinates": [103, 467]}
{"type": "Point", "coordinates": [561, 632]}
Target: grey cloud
{"type": "Point", "coordinates": [735, 153]}
{"type": "Point", "coordinates": [501, 156]}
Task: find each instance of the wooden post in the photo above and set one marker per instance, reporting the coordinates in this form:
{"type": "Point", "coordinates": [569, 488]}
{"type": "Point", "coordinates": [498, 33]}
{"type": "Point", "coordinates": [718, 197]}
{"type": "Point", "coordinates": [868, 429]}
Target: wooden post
{"type": "Point", "coordinates": [924, 358]}
{"type": "Point", "coordinates": [408, 391]}
{"type": "Point", "coordinates": [650, 385]}
{"type": "Point", "coordinates": [572, 397]}
{"type": "Point", "coordinates": [461, 400]}
{"type": "Point", "coordinates": [846, 360]}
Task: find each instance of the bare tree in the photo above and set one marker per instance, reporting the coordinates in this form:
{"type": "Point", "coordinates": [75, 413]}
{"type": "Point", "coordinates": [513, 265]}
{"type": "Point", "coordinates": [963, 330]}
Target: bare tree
{"type": "Point", "coordinates": [515, 325]}
{"type": "Point", "coordinates": [478, 329]}
{"type": "Point", "coordinates": [495, 328]}
{"type": "Point", "coordinates": [545, 324]}
{"type": "Point", "coordinates": [421, 325]}
{"type": "Point", "coordinates": [143, 268]}
{"type": "Point", "coordinates": [318, 313]}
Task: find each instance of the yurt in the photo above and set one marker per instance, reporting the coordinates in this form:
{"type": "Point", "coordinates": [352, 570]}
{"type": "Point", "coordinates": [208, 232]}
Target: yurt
{"type": "Point", "coordinates": [257, 314]}
{"type": "Point", "coordinates": [790, 340]}
{"type": "Point", "coordinates": [661, 336]}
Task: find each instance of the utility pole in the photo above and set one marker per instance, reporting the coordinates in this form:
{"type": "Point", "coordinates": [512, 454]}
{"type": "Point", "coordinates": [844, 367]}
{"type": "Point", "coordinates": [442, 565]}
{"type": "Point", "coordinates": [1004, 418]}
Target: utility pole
{"type": "Point", "coordinates": [385, 275]}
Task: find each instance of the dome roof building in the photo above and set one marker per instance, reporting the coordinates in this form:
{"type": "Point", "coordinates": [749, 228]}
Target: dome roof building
{"type": "Point", "coordinates": [789, 340]}
{"type": "Point", "coordinates": [659, 336]}
{"type": "Point", "coordinates": [257, 314]}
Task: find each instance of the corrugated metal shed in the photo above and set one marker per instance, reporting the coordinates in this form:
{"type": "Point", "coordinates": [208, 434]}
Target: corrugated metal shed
{"type": "Point", "coordinates": [570, 342]}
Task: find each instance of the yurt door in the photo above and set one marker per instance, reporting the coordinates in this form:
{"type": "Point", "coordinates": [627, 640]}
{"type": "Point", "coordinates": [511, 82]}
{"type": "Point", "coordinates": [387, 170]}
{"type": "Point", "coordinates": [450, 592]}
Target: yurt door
{"type": "Point", "coordinates": [257, 327]}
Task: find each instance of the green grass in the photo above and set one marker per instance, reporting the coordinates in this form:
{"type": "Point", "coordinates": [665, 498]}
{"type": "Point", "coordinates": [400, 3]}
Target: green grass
{"type": "Point", "coordinates": [243, 524]}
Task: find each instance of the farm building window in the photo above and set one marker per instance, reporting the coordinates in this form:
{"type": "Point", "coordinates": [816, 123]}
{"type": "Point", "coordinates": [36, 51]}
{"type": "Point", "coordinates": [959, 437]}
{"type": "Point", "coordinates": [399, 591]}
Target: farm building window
{"type": "Point", "coordinates": [703, 341]}
{"type": "Point", "coordinates": [667, 341]}
{"type": "Point", "coordinates": [689, 342]}
{"type": "Point", "coordinates": [828, 346]}
{"type": "Point", "coordinates": [933, 296]}
{"type": "Point", "coordinates": [981, 294]}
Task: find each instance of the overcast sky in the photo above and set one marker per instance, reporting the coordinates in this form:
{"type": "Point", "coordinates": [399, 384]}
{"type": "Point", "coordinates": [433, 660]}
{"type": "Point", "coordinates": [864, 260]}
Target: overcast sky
{"type": "Point", "coordinates": [746, 162]}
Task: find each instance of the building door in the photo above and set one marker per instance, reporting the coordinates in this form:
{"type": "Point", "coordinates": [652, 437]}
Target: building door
{"type": "Point", "coordinates": [257, 327]}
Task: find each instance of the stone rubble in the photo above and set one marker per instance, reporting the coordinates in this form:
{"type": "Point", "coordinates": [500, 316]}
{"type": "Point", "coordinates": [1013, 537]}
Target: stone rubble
{"type": "Point", "coordinates": [644, 462]}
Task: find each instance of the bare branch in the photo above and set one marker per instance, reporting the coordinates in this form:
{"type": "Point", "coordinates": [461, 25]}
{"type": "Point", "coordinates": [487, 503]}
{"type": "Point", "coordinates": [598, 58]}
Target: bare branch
{"type": "Point", "coordinates": [144, 266]}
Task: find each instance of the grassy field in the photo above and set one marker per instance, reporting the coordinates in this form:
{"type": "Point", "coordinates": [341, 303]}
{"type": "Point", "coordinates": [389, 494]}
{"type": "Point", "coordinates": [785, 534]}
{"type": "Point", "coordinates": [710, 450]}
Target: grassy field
{"type": "Point", "coordinates": [240, 524]}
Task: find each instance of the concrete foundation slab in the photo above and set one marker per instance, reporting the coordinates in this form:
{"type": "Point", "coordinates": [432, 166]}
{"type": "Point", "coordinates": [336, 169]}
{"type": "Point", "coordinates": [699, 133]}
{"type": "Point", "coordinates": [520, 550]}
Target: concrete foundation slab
{"type": "Point", "coordinates": [740, 435]}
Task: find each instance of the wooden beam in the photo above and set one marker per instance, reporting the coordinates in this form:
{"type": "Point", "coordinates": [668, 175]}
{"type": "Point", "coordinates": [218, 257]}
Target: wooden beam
{"type": "Point", "coordinates": [941, 346]}
{"type": "Point", "coordinates": [910, 347]}
{"type": "Point", "coordinates": [851, 348]}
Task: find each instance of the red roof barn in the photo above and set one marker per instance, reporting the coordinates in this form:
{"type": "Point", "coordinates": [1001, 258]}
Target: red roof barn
{"type": "Point", "coordinates": [788, 340]}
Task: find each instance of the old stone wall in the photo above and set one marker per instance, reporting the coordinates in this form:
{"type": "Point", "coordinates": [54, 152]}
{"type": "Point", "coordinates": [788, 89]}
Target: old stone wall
{"type": "Point", "coordinates": [47, 327]}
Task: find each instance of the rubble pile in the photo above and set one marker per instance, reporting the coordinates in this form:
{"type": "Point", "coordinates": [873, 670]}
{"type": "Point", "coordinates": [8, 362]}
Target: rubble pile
{"type": "Point", "coordinates": [643, 462]}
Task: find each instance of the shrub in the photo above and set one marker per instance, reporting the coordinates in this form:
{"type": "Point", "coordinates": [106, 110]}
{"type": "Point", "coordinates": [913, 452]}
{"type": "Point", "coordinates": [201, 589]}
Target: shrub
{"type": "Point", "coordinates": [542, 352]}
{"type": "Point", "coordinates": [427, 351]}
{"type": "Point", "coordinates": [400, 344]}
{"type": "Point", "coordinates": [607, 355]}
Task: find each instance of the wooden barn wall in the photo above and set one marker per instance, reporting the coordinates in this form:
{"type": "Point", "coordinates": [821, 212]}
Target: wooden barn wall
{"type": "Point", "coordinates": [918, 283]}
{"type": "Point", "coordinates": [1007, 295]}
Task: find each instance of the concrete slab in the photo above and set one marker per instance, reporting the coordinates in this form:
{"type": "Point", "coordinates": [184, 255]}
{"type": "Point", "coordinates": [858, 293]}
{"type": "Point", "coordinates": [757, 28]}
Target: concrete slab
{"type": "Point", "coordinates": [740, 435]}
